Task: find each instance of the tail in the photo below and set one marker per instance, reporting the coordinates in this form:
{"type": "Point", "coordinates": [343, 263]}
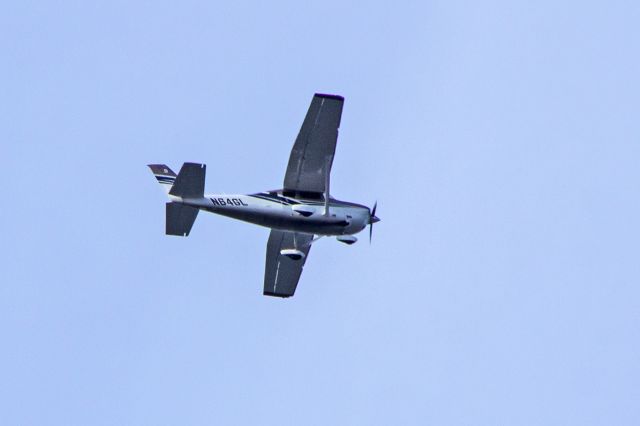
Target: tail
{"type": "Point", "coordinates": [166, 177]}
{"type": "Point", "coordinates": [189, 183]}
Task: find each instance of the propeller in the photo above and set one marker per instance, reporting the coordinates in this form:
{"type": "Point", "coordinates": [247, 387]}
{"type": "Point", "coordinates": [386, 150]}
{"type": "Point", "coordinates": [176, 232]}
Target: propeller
{"type": "Point", "coordinates": [372, 219]}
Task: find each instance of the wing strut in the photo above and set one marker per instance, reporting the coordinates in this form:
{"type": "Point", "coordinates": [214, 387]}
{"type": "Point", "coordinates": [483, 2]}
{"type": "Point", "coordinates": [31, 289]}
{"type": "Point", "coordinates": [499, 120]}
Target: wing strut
{"type": "Point", "coordinates": [327, 180]}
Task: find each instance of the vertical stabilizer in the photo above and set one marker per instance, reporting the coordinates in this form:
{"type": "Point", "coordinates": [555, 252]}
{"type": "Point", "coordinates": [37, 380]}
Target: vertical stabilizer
{"type": "Point", "coordinates": [165, 176]}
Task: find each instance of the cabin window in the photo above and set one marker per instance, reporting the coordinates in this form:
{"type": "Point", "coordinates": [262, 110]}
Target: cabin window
{"type": "Point", "coordinates": [303, 195]}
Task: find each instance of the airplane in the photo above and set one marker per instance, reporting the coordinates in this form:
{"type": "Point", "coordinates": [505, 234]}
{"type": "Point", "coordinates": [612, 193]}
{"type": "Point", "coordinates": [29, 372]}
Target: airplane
{"type": "Point", "coordinates": [298, 215]}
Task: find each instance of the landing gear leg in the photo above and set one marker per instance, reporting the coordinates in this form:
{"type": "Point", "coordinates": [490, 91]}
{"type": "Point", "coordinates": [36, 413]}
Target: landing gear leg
{"type": "Point", "coordinates": [293, 253]}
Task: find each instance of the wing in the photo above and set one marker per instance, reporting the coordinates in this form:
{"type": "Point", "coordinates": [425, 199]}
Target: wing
{"type": "Point", "coordinates": [281, 274]}
{"type": "Point", "coordinates": [315, 146]}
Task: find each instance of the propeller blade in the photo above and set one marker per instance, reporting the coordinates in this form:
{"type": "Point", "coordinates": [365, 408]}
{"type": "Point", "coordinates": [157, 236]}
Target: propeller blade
{"type": "Point", "coordinates": [370, 231]}
{"type": "Point", "coordinates": [372, 219]}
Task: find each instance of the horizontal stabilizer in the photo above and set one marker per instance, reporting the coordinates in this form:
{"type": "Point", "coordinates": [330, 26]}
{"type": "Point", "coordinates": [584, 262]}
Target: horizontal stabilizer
{"type": "Point", "coordinates": [180, 219]}
{"type": "Point", "coordinates": [190, 181]}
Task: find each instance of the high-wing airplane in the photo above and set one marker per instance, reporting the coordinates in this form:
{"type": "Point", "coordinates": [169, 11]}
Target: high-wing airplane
{"type": "Point", "coordinates": [298, 215]}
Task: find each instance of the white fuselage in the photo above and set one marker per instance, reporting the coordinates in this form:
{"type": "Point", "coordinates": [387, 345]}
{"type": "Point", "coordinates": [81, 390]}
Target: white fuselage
{"type": "Point", "coordinates": [272, 210]}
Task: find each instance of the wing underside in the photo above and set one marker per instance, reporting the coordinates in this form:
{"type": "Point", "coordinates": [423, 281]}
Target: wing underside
{"type": "Point", "coordinates": [312, 154]}
{"type": "Point", "coordinates": [281, 273]}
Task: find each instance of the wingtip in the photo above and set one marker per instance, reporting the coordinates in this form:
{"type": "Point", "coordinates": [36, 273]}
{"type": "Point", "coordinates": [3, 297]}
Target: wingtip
{"type": "Point", "coordinates": [329, 96]}
{"type": "Point", "coordinates": [280, 295]}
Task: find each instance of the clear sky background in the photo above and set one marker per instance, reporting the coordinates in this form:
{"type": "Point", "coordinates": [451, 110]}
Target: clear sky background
{"type": "Point", "coordinates": [501, 140]}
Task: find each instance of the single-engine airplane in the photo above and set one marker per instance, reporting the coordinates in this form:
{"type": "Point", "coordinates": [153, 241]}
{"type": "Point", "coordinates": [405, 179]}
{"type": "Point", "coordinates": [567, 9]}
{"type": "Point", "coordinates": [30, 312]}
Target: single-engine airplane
{"type": "Point", "coordinates": [298, 215]}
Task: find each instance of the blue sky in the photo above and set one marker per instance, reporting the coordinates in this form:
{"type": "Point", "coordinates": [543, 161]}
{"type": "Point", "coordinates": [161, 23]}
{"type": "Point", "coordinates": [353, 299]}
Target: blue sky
{"type": "Point", "coordinates": [500, 139]}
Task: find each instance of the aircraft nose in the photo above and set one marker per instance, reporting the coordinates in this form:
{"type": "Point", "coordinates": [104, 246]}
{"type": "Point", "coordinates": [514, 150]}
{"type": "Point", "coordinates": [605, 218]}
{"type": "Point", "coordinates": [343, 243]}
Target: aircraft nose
{"type": "Point", "coordinates": [374, 219]}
